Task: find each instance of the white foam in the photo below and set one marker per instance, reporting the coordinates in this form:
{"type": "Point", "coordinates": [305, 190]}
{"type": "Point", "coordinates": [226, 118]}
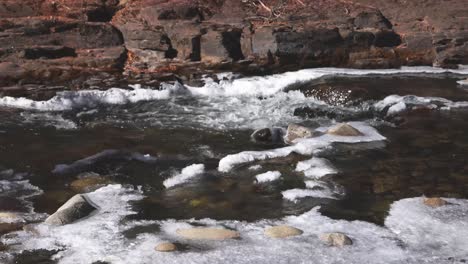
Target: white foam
{"type": "Point", "coordinates": [268, 176]}
{"type": "Point", "coordinates": [315, 168]}
{"type": "Point", "coordinates": [186, 174]}
{"type": "Point", "coordinates": [55, 120]}
{"type": "Point", "coordinates": [269, 85]}
{"type": "Point", "coordinates": [306, 146]}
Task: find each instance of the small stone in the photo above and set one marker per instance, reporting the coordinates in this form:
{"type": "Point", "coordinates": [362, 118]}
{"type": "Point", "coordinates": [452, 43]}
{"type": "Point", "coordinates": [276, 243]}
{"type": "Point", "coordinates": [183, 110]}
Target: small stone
{"type": "Point", "coordinates": [344, 130]}
{"type": "Point", "coordinates": [165, 247]}
{"type": "Point", "coordinates": [282, 231]}
{"type": "Point", "coordinates": [336, 239]}
{"type": "Point", "coordinates": [296, 131]}
{"type": "Point", "coordinates": [79, 206]}
{"type": "Point", "coordinates": [435, 202]}
{"type": "Point", "coordinates": [206, 233]}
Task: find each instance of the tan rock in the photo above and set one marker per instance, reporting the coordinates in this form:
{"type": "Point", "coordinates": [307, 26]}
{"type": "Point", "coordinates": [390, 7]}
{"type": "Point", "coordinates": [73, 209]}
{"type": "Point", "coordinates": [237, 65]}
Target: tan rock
{"type": "Point", "coordinates": [207, 233]}
{"type": "Point", "coordinates": [336, 239]}
{"type": "Point", "coordinates": [296, 131]}
{"type": "Point", "coordinates": [344, 130]}
{"type": "Point", "coordinates": [165, 247]}
{"type": "Point", "coordinates": [435, 202]}
{"type": "Point", "coordinates": [282, 231]}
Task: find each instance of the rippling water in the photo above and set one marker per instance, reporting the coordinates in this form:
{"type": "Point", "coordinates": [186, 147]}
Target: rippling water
{"type": "Point", "coordinates": [160, 159]}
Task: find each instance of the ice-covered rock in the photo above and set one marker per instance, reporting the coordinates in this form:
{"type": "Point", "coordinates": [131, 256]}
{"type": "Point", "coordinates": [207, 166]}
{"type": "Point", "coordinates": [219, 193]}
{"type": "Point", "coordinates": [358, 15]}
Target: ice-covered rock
{"type": "Point", "coordinates": [78, 207]}
{"type": "Point", "coordinates": [435, 202]}
{"type": "Point", "coordinates": [336, 239]}
{"type": "Point", "coordinates": [207, 233]}
{"type": "Point", "coordinates": [282, 231]}
{"type": "Point", "coordinates": [296, 131]}
{"type": "Point", "coordinates": [344, 130]}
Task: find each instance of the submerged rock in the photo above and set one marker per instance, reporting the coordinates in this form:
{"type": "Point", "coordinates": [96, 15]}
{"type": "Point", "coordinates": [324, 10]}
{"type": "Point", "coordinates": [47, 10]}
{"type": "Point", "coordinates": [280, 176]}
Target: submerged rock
{"type": "Point", "coordinates": [296, 131]}
{"type": "Point", "coordinates": [435, 202]}
{"type": "Point", "coordinates": [78, 207]}
{"type": "Point", "coordinates": [165, 247]}
{"type": "Point", "coordinates": [336, 239]}
{"type": "Point", "coordinates": [89, 183]}
{"type": "Point", "coordinates": [10, 227]}
{"type": "Point", "coordinates": [207, 233]}
{"type": "Point", "coordinates": [344, 130]}
{"type": "Point", "coordinates": [282, 231]}
{"type": "Point", "coordinates": [268, 135]}
{"type": "Point", "coordinates": [8, 216]}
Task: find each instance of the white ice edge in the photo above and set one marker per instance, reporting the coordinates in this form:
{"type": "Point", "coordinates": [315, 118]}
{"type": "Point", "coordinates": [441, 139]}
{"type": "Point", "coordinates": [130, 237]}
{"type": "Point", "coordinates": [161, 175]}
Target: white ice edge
{"type": "Point", "coordinates": [185, 175]}
{"type": "Point", "coordinates": [304, 146]}
{"type": "Point", "coordinates": [413, 233]}
{"type": "Point", "coordinates": [315, 168]}
{"type": "Point", "coordinates": [397, 103]}
{"type": "Point", "coordinates": [268, 176]}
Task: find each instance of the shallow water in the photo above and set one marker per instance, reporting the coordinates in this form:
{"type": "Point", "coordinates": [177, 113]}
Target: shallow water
{"type": "Point", "coordinates": [141, 142]}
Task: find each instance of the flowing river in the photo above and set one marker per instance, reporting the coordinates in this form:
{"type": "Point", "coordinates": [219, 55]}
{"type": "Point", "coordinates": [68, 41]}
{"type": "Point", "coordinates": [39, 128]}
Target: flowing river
{"type": "Point", "coordinates": [158, 159]}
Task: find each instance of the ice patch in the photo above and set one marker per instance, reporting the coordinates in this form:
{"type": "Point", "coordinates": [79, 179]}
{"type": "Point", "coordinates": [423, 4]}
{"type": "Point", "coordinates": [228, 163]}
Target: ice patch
{"type": "Point", "coordinates": [435, 233]}
{"type": "Point", "coordinates": [268, 176]}
{"type": "Point", "coordinates": [69, 100]}
{"type": "Point", "coordinates": [315, 168]}
{"type": "Point", "coordinates": [255, 167]}
{"type": "Point", "coordinates": [186, 174]}
{"type": "Point", "coordinates": [295, 194]}
{"type": "Point", "coordinates": [396, 103]}
{"type": "Point", "coordinates": [97, 238]}
{"type": "Point", "coordinates": [13, 185]}
{"type": "Point", "coordinates": [416, 234]}
{"type": "Point", "coordinates": [306, 146]}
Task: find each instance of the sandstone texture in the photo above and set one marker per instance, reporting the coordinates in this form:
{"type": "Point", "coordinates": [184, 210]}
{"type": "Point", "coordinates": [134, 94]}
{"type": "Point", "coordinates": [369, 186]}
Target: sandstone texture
{"type": "Point", "coordinates": [97, 43]}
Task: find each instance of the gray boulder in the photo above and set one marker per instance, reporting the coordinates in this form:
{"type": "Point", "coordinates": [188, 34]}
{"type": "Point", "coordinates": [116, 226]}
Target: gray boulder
{"type": "Point", "coordinates": [78, 207]}
{"type": "Point", "coordinates": [268, 135]}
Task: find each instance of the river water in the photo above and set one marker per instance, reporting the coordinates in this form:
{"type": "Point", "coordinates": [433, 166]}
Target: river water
{"type": "Point", "coordinates": [155, 160]}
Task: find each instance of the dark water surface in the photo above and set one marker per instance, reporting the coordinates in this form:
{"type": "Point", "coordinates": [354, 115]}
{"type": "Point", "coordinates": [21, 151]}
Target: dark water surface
{"type": "Point", "coordinates": [426, 154]}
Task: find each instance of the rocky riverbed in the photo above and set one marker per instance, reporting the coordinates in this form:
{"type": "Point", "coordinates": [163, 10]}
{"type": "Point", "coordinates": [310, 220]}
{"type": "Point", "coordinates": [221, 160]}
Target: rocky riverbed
{"type": "Point", "coordinates": [325, 165]}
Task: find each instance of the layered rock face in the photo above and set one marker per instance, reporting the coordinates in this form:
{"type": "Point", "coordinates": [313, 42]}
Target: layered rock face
{"type": "Point", "coordinates": [68, 41]}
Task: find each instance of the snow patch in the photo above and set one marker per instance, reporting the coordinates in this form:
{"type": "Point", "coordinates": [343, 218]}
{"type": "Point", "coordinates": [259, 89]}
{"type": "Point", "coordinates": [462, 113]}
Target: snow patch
{"type": "Point", "coordinates": [315, 168]}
